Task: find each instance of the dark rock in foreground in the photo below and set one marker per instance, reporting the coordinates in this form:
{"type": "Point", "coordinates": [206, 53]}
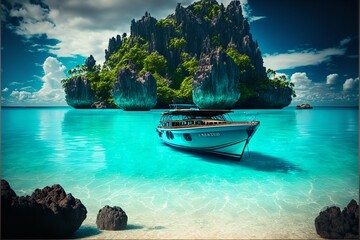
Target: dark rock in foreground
{"type": "Point", "coordinates": [133, 92]}
{"type": "Point", "coordinates": [336, 224]}
{"type": "Point", "coordinates": [216, 81]}
{"type": "Point", "coordinates": [111, 218]}
{"type": "Point", "coordinates": [79, 93]}
{"type": "Point", "coordinates": [47, 213]}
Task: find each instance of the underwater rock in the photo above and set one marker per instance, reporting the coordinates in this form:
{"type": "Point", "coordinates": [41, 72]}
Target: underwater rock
{"type": "Point", "coordinates": [111, 218]}
{"type": "Point", "coordinates": [47, 213]}
{"type": "Point", "coordinates": [132, 92]}
{"type": "Point", "coordinates": [216, 81]}
{"type": "Point", "coordinates": [336, 224]}
{"type": "Point", "coordinates": [79, 93]}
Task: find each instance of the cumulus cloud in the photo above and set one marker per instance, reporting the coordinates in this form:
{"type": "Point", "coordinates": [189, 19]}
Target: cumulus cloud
{"type": "Point", "coordinates": [351, 84]}
{"type": "Point", "coordinates": [21, 95]}
{"type": "Point", "coordinates": [308, 91]}
{"type": "Point", "coordinates": [293, 59]}
{"type": "Point", "coordinates": [332, 79]}
{"type": "Point", "coordinates": [51, 92]}
{"type": "Point", "coordinates": [301, 81]}
{"type": "Point", "coordinates": [5, 90]}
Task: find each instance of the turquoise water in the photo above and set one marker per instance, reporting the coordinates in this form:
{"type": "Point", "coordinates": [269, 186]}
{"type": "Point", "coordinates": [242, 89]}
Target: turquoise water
{"type": "Point", "coordinates": [299, 161]}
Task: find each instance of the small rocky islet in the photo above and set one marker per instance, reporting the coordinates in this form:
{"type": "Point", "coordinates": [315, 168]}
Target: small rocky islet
{"type": "Point", "coordinates": [202, 54]}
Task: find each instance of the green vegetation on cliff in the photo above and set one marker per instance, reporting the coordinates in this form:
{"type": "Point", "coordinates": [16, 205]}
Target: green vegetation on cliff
{"type": "Point", "coordinates": [171, 49]}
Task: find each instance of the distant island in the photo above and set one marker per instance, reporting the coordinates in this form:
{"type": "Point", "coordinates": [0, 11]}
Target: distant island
{"type": "Point", "coordinates": [202, 54]}
{"type": "Point", "coordinates": [304, 106]}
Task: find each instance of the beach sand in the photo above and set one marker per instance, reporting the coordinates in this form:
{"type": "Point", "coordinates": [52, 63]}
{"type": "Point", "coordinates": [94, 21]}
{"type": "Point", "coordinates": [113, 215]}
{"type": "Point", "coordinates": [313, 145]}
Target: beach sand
{"type": "Point", "coordinates": [213, 226]}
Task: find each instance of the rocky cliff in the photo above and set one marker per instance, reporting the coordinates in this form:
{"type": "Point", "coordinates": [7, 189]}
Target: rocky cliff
{"type": "Point", "coordinates": [79, 93]}
{"type": "Point", "coordinates": [216, 81]}
{"type": "Point", "coordinates": [183, 44]}
{"type": "Point", "coordinates": [134, 92]}
{"type": "Point", "coordinates": [203, 27]}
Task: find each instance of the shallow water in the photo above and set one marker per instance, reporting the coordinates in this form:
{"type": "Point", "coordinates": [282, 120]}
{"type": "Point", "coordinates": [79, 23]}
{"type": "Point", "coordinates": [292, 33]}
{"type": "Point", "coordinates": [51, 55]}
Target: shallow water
{"type": "Point", "coordinates": [298, 162]}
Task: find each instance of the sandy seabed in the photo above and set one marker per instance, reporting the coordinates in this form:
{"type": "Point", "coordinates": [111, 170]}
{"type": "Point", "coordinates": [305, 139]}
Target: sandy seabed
{"type": "Point", "coordinates": [219, 228]}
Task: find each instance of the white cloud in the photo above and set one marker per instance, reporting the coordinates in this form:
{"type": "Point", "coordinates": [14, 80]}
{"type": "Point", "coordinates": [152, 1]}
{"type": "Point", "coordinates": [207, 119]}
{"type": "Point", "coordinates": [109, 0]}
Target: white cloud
{"type": "Point", "coordinates": [293, 59]}
{"type": "Point", "coordinates": [21, 95]}
{"type": "Point", "coordinates": [321, 93]}
{"type": "Point", "coordinates": [26, 88]}
{"type": "Point", "coordinates": [301, 81]}
{"type": "Point", "coordinates": [345, 41]}
{"type": "Point", "coordinates": [15, 83]}
{"type": "Point", "coordinates": [256, 18]}
{"type": "Point", "coordinates": [332, 79]}
{"type": "Point", "coordinates": [351, 84]}
{"type": "Point", "coordinates": [247, 11]}
{"type": "Point", "coordinates": [51, 92]}
{"type": "Point", "coordinates": [5, 90]}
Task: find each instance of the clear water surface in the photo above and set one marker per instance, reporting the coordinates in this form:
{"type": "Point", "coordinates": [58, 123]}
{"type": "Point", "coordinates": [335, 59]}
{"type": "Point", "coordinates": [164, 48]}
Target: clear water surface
{"type": "Point", "coordinates": [299, 161]}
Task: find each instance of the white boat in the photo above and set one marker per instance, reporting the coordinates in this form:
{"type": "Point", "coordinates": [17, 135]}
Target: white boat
{"type": "Point", "coordinates": [206, 130]}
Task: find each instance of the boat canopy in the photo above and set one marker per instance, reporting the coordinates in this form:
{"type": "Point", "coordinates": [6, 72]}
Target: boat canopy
{"type": "Point", "coordinates": [197, 112]}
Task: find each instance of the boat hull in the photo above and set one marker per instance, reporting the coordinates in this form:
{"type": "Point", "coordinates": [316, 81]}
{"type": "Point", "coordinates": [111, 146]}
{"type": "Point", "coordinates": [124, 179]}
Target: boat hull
{"type": "Point", "coordinates": [228, 140]}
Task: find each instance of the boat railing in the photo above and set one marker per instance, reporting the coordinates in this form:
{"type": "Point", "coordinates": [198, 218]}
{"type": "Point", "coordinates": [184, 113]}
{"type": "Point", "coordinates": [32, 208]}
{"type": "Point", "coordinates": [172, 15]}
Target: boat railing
{"type": "Point", "coordinates": [182, 106]}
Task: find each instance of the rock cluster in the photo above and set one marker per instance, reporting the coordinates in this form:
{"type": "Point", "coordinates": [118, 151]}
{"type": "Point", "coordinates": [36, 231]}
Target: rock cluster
{"type": "Point", "coordinates": [47, 213]}
{"type": "Point", "coordinates": [216, 81]}
{"type": "Point", "coordinates": [111, 218]}
{"type": "Point", "coordinates": [79, 93]}
{"type": "Point", "coordinates": [336, 224]}
{"type": "Point", "coordinates": [134, 92]}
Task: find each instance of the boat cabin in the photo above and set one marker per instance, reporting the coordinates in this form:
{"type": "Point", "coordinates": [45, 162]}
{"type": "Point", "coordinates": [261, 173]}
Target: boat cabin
{"type": "Point", "coordinates": [190, 122]}
{"type": "Point", "coordinates": [187, 118]}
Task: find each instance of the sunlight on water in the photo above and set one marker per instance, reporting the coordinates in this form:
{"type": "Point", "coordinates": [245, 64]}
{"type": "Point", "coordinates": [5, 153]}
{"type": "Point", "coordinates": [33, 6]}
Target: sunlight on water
{"type": "Point", "coordinates": [297, 163]}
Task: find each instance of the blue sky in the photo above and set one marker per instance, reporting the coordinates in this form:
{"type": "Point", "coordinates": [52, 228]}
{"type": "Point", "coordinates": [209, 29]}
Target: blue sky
{"type": "Point", "coordinates": [315, 43]}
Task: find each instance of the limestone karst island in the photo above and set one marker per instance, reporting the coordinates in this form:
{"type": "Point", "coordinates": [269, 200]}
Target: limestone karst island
{"type": "Point", "coordinates": [202, 54]}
